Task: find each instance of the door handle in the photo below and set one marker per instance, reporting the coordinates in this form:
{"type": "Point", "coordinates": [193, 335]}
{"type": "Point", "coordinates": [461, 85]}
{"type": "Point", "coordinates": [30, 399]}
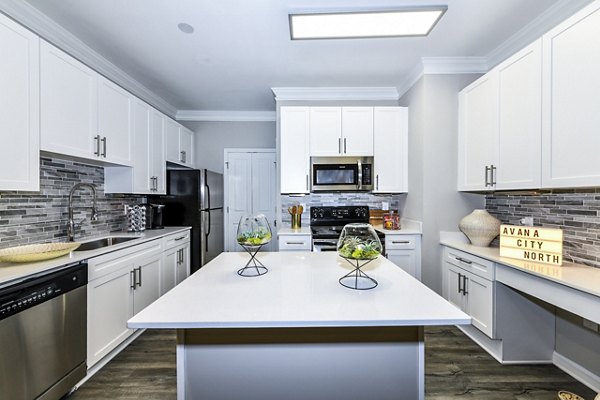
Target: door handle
{"type": "Point", "coordinates": [464, 277]}
{"type": "Point", "coordinates": [487, 169]}
{"type": "Point", "coordinates": [132, 279]}
{"type": "Point", "coordinates": [307, 183]}
{"type": "Point", "coordinates": [97, 151]}
{"type": "Point", "coordinates": [181, 156]}
{"type": "Point", "coordinates": [344, 145]}
{"type": "Point", "coordinates": [377, 182]}
{"type": "Point", "coordinates": [103, 140]}
{"type": "Point", "coordinates": [139, 283]}
{"type": "Point", "coordinates": [493, 173]}
{"type": "Point", "coordinates": [462, 260]}
{"type": "Point", "coordinates": [458, 280]}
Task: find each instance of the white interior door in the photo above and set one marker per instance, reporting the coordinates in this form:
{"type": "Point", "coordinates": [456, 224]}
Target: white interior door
{"type": "Point", "coordinates": [250, 188]}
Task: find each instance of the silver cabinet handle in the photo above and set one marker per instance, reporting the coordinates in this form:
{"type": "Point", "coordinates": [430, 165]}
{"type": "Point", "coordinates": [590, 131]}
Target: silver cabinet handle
{"type": "Point", "coordinates": [298, 243]}
{"type": "Point", "coordinates": [132, 279]}
{"type": "Point", "coordinates": [97, 151]}
{"type": "Point", "coordinates": [377, 182]}
{"type": "Point", "coordinates": [401, 242]}
{"type": "Point", "coordinates": [464, 277]}
{"type": "Point", "coordinates": [179, 238]}
{"type": "Point", "coordinates": [458, 280]}
{"type": "Point", "coordinates": [462, 260]}
{"type": "Point", "coordinates": [306, 182]}
{"type": "Point", "coordinates": [140, 276]}
{"type": "Point", "coordinates": [487, 169]}
{"type": "Point", "coordinates": [493, 173]}
{"type": "Point", "coordinates": [344, 145]}
{"type": "Point", "coordinates": [103, 140]}
{"type": "Point", "coordinates": [181, 156]}
{"type": "Point", "coordinates": [184, 156]}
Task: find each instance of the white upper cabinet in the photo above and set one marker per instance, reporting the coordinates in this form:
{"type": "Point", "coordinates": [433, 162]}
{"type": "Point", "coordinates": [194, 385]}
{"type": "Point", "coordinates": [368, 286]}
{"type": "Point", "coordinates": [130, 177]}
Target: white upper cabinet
{"type": "Point", "coordinates": [357, 131]}
{"type": "Point", "coordinates": [341, 131]}
{"type": "Point", "coordinates": [294, 151]}
{"type": "Point", "coordinates": [325, 127]}
{"type": "Point", "coordinates": [571, 102]}
{"type": "Point", "coordinates": [390, 149]}
{"type": "Point", "coordinates": [477, 130]}
{"type": "Point", "coordinates": [68, 99]}
{"type": "Point", "coordinates": [19, 107]}
{"type": "Point", "coordinates": [115, 109]}
{"type": "Point", "coordinates": [157, 163]}
{"type": "Point", "coordinates": [519, 151]}
{"type": "Point", "coordinates": [179, 143]}
{"type": "Point", "coordinates": [500, 126]}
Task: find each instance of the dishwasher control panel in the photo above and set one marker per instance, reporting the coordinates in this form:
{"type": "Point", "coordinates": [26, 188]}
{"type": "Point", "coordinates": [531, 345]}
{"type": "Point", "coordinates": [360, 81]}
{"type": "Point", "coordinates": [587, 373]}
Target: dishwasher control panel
{"type": "Point", "coordinates": [27, 294]}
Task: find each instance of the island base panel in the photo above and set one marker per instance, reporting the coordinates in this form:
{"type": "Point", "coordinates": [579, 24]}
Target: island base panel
{"type": "Point", "coordinates": [301, 363]}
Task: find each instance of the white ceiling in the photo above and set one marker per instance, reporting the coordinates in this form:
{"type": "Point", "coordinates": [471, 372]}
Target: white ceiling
{"type": "Point", "coordinates": [241, 48]}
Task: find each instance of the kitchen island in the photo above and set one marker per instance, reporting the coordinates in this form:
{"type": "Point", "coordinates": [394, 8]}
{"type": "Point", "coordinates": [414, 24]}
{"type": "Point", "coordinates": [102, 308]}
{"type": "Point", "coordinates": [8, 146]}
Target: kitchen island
{"type": "Point", "coordinates": [296, 333]}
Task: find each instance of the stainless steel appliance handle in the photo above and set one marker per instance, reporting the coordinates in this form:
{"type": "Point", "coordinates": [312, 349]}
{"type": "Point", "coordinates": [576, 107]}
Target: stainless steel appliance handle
{"type": "Point", "coordinates": [103, 140]}
{"type": "Point", "coordinates": [360, 174]}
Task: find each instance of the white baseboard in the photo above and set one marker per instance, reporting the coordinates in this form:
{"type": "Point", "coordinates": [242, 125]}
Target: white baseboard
{"type": "Point", "coordinates": [577, 371]}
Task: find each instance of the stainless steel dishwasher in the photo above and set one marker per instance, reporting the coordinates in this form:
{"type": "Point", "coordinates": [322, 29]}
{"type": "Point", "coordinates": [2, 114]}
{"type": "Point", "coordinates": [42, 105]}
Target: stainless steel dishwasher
{"type": "Point", "coordinates": [43, 334]}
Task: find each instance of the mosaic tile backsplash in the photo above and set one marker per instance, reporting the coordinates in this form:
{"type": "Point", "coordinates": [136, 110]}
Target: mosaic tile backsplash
{"type": "Point", "coordinates": [335, 199]}
{"type": "Point", "coordinates": [38, 217]}
{"type": "Point", "coordinates": [577, 213]}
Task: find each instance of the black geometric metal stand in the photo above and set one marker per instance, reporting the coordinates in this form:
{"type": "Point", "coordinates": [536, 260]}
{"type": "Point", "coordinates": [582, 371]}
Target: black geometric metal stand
{"type": "Point", "coordinates": [257, 268]}
{"type": "Point", "coordinates": [357, 279]}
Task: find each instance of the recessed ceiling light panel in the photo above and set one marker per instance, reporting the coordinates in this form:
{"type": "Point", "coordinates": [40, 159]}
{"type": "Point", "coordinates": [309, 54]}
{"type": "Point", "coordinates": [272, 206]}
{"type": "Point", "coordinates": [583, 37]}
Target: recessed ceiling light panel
{"type": "Point", "coordinates": [365, 24]}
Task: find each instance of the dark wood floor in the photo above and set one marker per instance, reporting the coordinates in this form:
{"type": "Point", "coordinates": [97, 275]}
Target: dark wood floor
{"type": "Point", "coordinates": [455, 368]}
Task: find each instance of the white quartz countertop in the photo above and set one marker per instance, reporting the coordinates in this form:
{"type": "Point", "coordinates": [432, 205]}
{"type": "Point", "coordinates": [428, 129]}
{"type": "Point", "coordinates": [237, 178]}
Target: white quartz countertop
{"type": "Point", "coordinates": [576, 276]}
{"type": "Point", "coordinates": [14, 272]}
{"type": "Point", "coordinates": [407, 227]}
{"type": "Point", "coordinates": [286, 230]}
{"type": "Point", "coordinates": [301, 289]}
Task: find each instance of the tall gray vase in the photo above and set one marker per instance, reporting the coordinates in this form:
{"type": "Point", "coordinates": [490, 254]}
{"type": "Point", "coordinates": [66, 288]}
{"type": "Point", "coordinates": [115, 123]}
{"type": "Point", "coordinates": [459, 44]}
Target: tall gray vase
{"type": "Point", "coordinates": [480, 227]}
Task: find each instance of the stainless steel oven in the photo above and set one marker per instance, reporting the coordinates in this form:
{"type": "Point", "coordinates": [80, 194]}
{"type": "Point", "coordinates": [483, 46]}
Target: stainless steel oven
{"type": "Point", "coordinates": [43, 335]}
{"type": "Point", "coordinates": [341, 174]}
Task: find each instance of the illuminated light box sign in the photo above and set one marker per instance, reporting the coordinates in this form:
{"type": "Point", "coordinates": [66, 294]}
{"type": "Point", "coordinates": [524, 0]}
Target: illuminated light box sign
{"type": "Point", "coordinates": [530, 243]}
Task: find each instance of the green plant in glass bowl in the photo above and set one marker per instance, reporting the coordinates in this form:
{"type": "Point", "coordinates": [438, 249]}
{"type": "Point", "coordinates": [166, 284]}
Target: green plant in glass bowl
{"type": "Point", "coordinates": [253, 230]}
{"type": "Point", "coordinates": [359, 242]}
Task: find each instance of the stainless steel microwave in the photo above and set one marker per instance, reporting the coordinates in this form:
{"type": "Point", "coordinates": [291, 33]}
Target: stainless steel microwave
{"type": "Point", "coordinates": [331, 174]}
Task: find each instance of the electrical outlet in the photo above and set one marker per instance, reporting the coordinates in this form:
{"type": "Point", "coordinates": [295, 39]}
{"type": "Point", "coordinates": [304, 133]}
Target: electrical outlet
{"type": "Point", "coordinates": [527, 221]}
{"type": "Point", "coordinates": [590, 325]}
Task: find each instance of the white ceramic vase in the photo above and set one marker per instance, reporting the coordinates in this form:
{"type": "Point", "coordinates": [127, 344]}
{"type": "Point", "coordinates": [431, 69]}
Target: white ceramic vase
{"type": "Point", "coordinates": [480, 227]}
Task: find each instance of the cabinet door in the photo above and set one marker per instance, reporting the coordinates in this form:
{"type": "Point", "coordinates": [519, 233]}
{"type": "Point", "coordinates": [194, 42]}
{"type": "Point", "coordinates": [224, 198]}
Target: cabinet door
{"type": "Point", "coordinates": [186, 143]}
{"type": "Point", "coordinates": [357, 131]}
{"type": "Point", "coordinates": [183, 266]}
{"type": "Point", "coordinates": [480, 303]}
{"type": "Point", "coordinates": [110, 305]}
{"type": "Point", "coordinates": [294, 150]}
{"type": "Point", "coordinates": [68, 112]}
{"type": "Point", "coordinates": [19, 107]}
{"type": "Point", "coordinates": [157, 163]}
{"type": "Point", "coordinates": [453, 284]}
{"type": "Point", "coordinates": [391, 149]}
{"type": "Point", "coordinates": [172, 139]}
{"type": "Point", "coordinates": [570, 139]}
{"type": "Point", "coordinates": [141, 149]}
{"type": "Point", "coordinates": [325, 131]}
{"type": "Point", "coordinates": [114, 122]}
{"type": "Point", "coordinates": [147, 288]}
{"type": "Point", "coordinates": [264, 184]}
{"type": "Point", "coordinates": [520, 120]}
{"type": "Point", "coordinates": [239, 187]}
{"type": "Point", "coordinates": [405, 259]}
{"type": "Point", "coordinates": [477, 130]}
{"type": "Point", "coordinates": [171, 258]}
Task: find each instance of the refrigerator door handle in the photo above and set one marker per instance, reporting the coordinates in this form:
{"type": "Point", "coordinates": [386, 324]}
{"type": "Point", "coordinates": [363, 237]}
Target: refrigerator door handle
{"type": "Point", "coordinates": [208, 230]}
{"type": "Point", "coordinates": [207, 195]}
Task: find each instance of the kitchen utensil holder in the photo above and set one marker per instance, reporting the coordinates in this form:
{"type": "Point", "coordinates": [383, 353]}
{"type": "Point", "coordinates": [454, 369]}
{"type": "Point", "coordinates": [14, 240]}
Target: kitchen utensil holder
{"type": "Point", "coordinates": [296, 221]}
{"type": "Point", "coordinates": [357, 279]}
{"type": "Point", "coordinates": [253, 267]}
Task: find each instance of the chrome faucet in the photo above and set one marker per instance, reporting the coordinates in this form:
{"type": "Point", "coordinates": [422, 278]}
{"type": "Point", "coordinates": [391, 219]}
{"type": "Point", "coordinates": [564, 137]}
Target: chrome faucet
{"type": "Point", "coordinates": [71, 222]}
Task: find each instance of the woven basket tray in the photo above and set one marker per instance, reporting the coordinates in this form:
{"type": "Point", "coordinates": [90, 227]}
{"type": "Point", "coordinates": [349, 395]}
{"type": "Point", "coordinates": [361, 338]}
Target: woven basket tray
{"type": "Point", "coordinates": [37, 252]}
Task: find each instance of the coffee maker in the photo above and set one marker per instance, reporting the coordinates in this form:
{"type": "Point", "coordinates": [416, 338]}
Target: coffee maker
{"type": "Point", "coordinates": [154, 216]}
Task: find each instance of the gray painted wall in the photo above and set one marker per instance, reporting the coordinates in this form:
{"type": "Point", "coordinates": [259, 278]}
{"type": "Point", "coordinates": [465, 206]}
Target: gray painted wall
{"type": "Point", "coordinates": [432, 148]}
{"type": "Point", "coordinates": [211, 138]}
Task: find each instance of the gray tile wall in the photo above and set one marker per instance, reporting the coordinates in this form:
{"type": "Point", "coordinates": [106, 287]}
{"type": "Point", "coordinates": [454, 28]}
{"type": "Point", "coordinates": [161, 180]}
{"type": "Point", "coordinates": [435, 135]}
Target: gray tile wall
{"type": "Point", "coordinates": [335, 199]}
{"type": "Point", "coordinates": [577, 213]}
{"type": "Point", "coordinates": [37, 217]}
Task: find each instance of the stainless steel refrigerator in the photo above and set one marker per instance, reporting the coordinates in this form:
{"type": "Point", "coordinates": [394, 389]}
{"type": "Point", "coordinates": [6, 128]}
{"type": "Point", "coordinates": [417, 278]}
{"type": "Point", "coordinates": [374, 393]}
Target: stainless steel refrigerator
{"type": "Point", "coordinates": [195, 198]}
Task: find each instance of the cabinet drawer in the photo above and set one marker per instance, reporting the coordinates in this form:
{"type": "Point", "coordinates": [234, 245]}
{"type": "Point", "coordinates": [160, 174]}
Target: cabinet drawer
{"type": "Point", "coordinates": [400, 242]}
{"type": "Point", "coordinates": [176, 239]}
{"type": "Point", "coordinates": [294, 243]}
{"type": "Point", "coordinates": [111, 262]}
{"type": "Point", "coordinates": [476, 265]}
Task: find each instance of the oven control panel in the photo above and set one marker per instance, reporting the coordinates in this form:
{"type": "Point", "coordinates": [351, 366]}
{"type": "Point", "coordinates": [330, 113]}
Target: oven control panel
{"type": "Point", "coordinates": [342, 214]}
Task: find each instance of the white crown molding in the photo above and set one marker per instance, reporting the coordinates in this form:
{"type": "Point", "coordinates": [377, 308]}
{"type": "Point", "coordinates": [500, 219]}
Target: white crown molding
{"type": "Point", "coordinates": [454, 65]}
{"type": "Point", "coordinates": [411, 79]}
{"type": "Point", "coordinates": [335, 93]}
{"type": "Point", "coordinates": [29, 16]}
{"type": "Point", "coordinates": [226, 116]}
{"type": "Point", "coordinates": [535, 29]}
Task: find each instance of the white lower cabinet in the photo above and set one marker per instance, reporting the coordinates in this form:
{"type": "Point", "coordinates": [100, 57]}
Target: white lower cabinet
{"type": "Point", "coordinates": [468, 284]}
{"type": "Point", "coordinates": [124, 282]}
{"type": "Point", "coordinates": [176, 260]}
{"type": "Point", "coordinates": [405, 252]}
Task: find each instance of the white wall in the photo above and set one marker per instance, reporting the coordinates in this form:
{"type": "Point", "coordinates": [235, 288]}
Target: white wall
{"type": "Point", "coordinates": [211, 138]}
{"type": "Point", "coordinates": [433, 198]}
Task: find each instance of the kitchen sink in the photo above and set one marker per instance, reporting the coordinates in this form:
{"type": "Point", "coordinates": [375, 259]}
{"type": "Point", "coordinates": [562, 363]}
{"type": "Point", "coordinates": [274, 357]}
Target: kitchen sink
{"type": "Point", "coordinates": [105, 242]}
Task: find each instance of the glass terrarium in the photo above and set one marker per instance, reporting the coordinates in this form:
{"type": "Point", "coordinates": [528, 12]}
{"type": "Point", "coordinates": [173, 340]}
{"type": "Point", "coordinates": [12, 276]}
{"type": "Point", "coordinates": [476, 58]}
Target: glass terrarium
{"type": "Point", "coordinates": [253, 232]}
{"type": "Point", "coordinates": [359, 245]}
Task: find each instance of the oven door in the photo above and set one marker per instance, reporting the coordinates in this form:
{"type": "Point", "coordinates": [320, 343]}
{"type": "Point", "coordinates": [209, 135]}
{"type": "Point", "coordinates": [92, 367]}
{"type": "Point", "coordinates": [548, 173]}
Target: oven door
{"type": "Point", "coordinates": [324, 245]}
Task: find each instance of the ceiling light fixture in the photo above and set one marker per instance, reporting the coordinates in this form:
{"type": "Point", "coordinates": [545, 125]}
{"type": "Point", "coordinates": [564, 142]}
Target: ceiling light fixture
{"type": "Point", "coordinates": [416, 21]}
{"type": "Point", "coordinates": [185, 28]}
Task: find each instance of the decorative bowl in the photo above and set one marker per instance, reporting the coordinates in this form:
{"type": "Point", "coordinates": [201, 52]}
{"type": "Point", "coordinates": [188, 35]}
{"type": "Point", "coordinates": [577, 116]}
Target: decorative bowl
{"type": "Point", "coordinates": [359, 242]}
{"type": "Point", "coordinates": [37, 252]}
{"type": "Point", "coordinates": [253, 230]}
{"type": "Point", "coordinates": [564, 395]}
